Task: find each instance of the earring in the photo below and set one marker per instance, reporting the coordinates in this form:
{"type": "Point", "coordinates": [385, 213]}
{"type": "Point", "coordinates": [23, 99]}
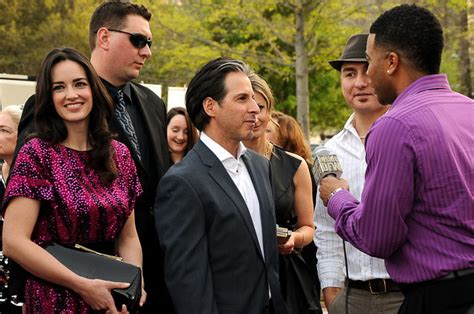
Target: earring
{"type": "Point", "coordinates": [388, 71]}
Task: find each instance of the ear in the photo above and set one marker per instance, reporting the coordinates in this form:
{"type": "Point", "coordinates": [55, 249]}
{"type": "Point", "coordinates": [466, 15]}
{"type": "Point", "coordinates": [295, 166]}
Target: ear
{"type": "Point", "coordinates": [392, 62]}
{"type": "Point", "coordinates": [102, 38]}
{"type": "Point", "coordinates": [209, 105]}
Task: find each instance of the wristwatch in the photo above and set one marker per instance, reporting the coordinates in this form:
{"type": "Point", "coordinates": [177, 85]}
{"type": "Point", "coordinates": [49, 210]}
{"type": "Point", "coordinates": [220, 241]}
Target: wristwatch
{"type": "Point", "coordinates": [334, 192]}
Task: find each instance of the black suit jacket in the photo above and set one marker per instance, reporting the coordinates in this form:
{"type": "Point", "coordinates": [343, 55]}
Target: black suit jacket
{"type": "Point", "coordinates": [213, 262]}
{"type": "Point", "coordinates": [153, 112]}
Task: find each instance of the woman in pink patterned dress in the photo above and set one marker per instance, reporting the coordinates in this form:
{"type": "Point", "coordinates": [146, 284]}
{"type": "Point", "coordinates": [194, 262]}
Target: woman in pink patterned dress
{"type": "Point", "coordinates": [71, 183]}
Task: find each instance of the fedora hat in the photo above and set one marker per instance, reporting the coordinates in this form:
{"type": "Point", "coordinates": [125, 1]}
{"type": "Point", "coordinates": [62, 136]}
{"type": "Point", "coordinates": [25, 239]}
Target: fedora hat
{"type": "Point", "coordinates": [354, 51]}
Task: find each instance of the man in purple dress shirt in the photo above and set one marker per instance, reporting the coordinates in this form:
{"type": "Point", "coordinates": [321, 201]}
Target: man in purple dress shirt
{"type": "Point", "coordinates": [417, 207]}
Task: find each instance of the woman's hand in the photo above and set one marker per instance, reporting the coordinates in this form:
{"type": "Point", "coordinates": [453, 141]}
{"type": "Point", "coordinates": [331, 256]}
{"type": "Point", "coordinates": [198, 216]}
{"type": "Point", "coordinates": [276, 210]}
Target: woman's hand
{"type": "Point", "coordinates": [97, 293]}
{"type": "Point", "coordinates": [143, 298]}
{"type": "Point", "coordinates": [288, 246]}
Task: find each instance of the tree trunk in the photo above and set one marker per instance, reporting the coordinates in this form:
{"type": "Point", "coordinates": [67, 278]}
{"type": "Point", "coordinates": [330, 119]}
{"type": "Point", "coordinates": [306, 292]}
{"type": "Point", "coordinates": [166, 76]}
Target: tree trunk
{"type": "Point", "coordinates": [464, 64]}
{"type": "Point", "coordinates": [301, 65]}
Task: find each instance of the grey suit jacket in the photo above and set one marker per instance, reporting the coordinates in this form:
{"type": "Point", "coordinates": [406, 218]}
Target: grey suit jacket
{"type": "Point", "coordinates": [213, 262]}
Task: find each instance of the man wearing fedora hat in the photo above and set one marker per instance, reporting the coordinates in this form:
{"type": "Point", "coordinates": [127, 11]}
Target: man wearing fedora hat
{"type": "Point", "coordinates": [351, 280]}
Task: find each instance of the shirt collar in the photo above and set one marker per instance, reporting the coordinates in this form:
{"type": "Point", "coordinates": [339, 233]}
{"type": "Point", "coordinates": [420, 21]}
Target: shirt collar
{"type": "Point", "coordinates": [424, 83]}
{"type": "Point", "coordinates": [349, 126]}
{"type": "Point", "coordinates": [221, 153]}
{"type": "Point", "coordinates": [126, 89]}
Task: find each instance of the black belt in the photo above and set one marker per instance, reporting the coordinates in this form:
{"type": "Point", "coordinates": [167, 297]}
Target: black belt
{"type": "Point", "coordinates": [375, 286]}
{"type": "Point", "coordinates": [457, 274]}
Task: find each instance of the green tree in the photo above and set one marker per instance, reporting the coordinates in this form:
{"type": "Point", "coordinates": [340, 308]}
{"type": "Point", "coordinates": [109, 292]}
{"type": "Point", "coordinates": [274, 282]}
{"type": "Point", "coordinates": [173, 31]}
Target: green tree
{"type": "Point", "coordinates": [288, 42]}
{"type": "Point", "coordinates": [31, 28]}
{"type": "Point", "coordinates": [285, 41]}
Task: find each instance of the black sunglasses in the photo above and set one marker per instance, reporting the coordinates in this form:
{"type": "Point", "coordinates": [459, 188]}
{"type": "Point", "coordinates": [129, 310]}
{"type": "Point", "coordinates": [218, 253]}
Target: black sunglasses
{"type": "Point", "coordinates": [137, 40]}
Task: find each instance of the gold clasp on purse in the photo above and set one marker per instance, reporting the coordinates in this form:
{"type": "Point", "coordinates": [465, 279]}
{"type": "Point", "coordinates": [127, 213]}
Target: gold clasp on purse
{"type": "Point", "coordinates": [85, 249]}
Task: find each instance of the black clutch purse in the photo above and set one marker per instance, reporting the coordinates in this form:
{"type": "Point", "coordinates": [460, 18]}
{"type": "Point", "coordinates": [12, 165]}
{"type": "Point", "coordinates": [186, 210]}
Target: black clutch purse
{"type": "Point", "coordinates": [94, 265]}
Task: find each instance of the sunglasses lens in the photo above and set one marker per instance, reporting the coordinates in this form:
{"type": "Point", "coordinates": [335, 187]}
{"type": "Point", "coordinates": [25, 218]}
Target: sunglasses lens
{"type": "Point", "coordinates": [139, 40]}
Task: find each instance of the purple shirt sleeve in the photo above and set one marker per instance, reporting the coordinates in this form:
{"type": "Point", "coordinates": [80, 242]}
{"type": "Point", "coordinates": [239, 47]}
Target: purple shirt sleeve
{"type": "Point", "coordinates": [377, 225]}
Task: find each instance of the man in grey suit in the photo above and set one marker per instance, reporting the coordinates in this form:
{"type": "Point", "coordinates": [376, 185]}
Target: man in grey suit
{"type": "Point", "coordinates": [214, 210]}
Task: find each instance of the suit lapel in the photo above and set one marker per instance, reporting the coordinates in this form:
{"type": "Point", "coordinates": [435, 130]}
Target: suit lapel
{"type": "Point", "coordinates": [264, 195]}
{"type": "Point", "coordinates": [153, 124]}
{"type": "Point", "coordinates": [224, 181]}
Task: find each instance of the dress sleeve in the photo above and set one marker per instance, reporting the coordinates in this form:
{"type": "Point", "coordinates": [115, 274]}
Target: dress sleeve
{"type": "Point", "coordinates": [30, 176]}
{"type": "Point", "coordinates": [128, 171]}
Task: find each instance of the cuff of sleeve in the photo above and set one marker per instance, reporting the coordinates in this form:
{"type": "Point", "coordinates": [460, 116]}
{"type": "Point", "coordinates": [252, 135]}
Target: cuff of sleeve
{"type": "Point", "coordinates": [337, 201]}
{"type": "Point", "coordinates": [331, 283]}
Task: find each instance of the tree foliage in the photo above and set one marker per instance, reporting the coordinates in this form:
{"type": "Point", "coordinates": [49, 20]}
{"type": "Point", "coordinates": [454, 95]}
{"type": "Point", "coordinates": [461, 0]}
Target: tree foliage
{"type": "Point", "coordinates": [261, 32]}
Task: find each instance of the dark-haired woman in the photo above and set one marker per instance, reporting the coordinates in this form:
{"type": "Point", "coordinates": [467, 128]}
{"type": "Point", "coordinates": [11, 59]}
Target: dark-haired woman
{"type": "Point", "coordinates": [181, 133]}
{"type": "Point", "coordinates": [72, 183]}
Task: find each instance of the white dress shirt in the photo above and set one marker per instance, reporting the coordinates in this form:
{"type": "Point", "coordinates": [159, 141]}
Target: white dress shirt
{"type": "Point", "coordinates": [331, 270]}
{"type": "Point", "coordinates": [238, 172]}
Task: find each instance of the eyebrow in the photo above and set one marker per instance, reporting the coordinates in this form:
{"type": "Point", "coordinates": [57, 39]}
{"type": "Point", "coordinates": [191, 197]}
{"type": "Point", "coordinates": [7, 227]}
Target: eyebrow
{"type": "Point", "coordinates": [348, 69]}
{"type": "Point", "coordinates": [74, 80]}
{"type": "Point", "coordinates": [243, 94]}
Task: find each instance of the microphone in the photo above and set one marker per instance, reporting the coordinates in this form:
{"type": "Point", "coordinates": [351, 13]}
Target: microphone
{"type": "Point", "coordinates": [325, 164]}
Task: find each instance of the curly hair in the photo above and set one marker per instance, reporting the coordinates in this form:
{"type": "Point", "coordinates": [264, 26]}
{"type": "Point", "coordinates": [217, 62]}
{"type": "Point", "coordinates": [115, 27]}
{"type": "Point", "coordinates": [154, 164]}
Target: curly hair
{"type": "Point", "coordinates": [414, 32]}
{"type": "Point", "coordinates": [49, 126]}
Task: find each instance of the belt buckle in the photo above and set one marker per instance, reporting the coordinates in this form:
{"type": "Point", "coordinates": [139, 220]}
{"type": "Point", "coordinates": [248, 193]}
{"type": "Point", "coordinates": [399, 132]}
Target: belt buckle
{"type": "Point", "coordinates": [378, 292]}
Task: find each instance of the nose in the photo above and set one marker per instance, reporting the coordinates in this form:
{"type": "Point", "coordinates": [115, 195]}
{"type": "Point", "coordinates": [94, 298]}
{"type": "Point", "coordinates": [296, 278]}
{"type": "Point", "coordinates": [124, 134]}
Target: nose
{"type": "Point", "coordinates": [362, 80]}
{"type": "Point", "coordinates": [180, 135]}
{"type": "Point", "coordinates": [254, 108]}
{"type": "Point", "coordinates": [71, 93]}
{"type": "Point", "coordinates": [145, 52]}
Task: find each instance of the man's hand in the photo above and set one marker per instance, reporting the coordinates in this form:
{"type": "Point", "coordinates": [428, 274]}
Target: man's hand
{"type": "Point", "coordinates": [329, 294]}
{"type": "Point", "coordinates": [328, 185]}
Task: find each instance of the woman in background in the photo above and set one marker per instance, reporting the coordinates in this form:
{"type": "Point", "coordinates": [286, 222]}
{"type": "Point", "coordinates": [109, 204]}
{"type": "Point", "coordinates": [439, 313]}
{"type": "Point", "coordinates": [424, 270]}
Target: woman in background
{"type": "Point", "coordinates": [181, 133]}
{"type": "Point", "coordinates": [72, 183]}
{"type": "Point", "coordinates": [9, 120]}
{"type": "Point", "coordinates": [286, 132]}
{"type": "Point", "coordinates": [293, 207]}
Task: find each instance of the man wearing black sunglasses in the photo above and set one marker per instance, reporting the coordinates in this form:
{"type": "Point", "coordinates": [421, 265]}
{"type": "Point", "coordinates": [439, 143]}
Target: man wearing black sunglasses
{"type": "Point", "coordinates": [120, 41]}
{"type": "Point", "coordinates": [136, 39]}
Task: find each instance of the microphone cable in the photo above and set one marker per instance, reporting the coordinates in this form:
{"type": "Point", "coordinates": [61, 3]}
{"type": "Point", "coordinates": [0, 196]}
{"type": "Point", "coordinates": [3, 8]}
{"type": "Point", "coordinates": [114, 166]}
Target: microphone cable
{"type": "Point", "coordinates": [347, 277]}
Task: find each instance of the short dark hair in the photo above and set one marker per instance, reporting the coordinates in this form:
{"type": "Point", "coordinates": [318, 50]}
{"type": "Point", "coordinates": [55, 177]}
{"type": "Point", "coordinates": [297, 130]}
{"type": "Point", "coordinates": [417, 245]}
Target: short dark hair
{"type": "Point", "coordinates": [192, 132]}
{"type": "Point", "coordinates": [112, 14]}
{"type": "Point", "coordinates": [414, 32]}
{"type": "Point", "coordinates": [49, 126]}
{"type": "Point", "coordinates": [209, 81]}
